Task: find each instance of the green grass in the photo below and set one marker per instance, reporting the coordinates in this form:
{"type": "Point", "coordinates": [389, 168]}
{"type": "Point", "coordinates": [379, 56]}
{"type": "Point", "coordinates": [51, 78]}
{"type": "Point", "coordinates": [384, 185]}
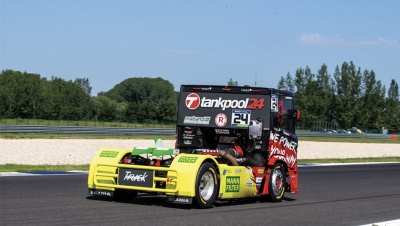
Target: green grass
{"type": "Point", "coordinates": [52, 168]}
{"type": "Point", "coordinates": [89, 123]}
{"type": "Point", "coordinates": [350, 140]}
{"type": "Point", "coordinates": [348, 160]}
{"type": "Point", "coordinates": [37, 168]}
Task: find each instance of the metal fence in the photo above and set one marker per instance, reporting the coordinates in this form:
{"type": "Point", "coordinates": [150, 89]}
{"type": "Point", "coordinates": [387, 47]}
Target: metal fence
{"type": "Point", "coordinates": [84, 130]}
{"type": "Point", "coordinates": [142, 131]}
{"type": "Point", "coordinates": [86, 122]}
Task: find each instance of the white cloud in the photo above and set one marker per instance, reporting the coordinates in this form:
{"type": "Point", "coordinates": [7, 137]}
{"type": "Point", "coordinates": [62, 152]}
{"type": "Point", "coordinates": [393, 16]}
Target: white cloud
{"type": "Point", "coordinates": [337, 41]}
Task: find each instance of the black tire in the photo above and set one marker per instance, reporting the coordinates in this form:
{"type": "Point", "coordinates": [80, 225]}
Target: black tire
{"type": "Point", "coordinates": [206, 189]}
{"type": "Point", "coordinates": [125, 195]}
{"type": "Point", "coordinates": [277, 183]}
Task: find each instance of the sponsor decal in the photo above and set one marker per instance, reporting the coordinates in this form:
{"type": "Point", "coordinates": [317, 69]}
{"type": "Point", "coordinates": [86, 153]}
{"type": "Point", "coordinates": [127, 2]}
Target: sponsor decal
{"type": "Point", "coordinates": [258, 181]}
{"type": "Point", "coordinates": [281, 111]}
{"type": "Point", "coordinates": [109, 154]}
{"type": "Point", "coordinates": [238, 171]}
{"type": "Point", "coordinates": [143, 178]}
{"type": "Point", "coordinates": [188, 136]}
{"type": "Point", "coordinates": [249, 170]}
{"type": "Point", "coordinates": [183, 200]}
{"type": "Point", "coordinates": [221, 119]}
{"type": "Point", "coordinates": [261, 171]}
{"type": "Point", "coordinates": [197, 120]}
{"type": "Point", "coordinates": [221, 131]}
{"type": "Point", "coordinates": [283, 147]}
{"type": "Point", "coordinates": [188, 142]}
{"type": "Point", "coordinates": [248, 103]}
{"type": "Point", "coordinates": [240, 117]}
{"type": "Point", "coordinates": [226, 171]}
{"type": "Point", "coordinates": [249, 184]}
{"type": "Point", "coordinates": [188, 130]}
{"type": "Point", "coordinates": [101, 193]}
{"type": "Point", "coordinates": [274, 104]}
{"type": "Point", "coordinates": [187, 159]}
{"type": "Point", "coordinates": [232, 184]}
{"type": "Point", "coordinates": [135, 177]}
{"type": "Point", "coordinates": [192, 101]}
{"type": "Point", "coordinates": [290, 159]}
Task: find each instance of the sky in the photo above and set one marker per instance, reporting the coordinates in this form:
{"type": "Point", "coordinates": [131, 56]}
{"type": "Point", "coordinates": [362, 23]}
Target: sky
{"type": "Point", "coordinates": [197, 42]}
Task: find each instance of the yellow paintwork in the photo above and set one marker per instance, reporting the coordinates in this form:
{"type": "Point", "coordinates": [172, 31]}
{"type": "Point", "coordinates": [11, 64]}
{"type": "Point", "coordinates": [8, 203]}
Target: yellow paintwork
{"type": "Point", "coordinates": [181, 176]}
{"type": "Point", "coordinates": [236, 182]}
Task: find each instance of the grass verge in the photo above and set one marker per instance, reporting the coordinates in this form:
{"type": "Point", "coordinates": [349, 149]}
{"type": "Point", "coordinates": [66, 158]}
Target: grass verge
{"type": "Point", "coordinates": [52, 168]}
{"type": "Point", "coordinates": [37, 168]}
{"type": "Point", "coordinates": [350, 140]}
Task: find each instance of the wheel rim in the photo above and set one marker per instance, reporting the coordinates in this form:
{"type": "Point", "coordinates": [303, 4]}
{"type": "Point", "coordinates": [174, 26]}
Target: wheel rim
{"type": "Point", "coordinates": [207, 185]}
{"type": "Point", "coordinates": [277, 182]}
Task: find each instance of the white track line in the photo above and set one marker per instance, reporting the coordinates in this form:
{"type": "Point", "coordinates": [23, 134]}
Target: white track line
{"type": "Point", "coordinates": [385, 223]}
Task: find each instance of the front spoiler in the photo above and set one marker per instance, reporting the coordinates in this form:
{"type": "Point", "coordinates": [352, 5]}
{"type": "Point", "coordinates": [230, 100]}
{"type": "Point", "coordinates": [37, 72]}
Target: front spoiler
{"type": "Point", "coordinates": [107, 175]}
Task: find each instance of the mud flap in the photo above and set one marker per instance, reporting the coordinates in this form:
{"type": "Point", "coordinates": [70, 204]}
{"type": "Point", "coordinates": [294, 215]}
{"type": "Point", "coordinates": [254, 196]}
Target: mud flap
{"type": "Point", "coordinates": [293, 185]}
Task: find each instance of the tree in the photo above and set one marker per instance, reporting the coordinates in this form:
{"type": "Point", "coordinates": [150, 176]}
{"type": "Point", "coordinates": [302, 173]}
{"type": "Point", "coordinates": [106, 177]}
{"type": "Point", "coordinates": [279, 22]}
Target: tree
{"type": "Point", "coordinates": [66, 100]}
{"type": "Point", "coordinates": [21, 94]}
{"type": "Point", "coordinates": [105, 108]}
{"type": "Point", "coordinates": [145, 98]}
{"type": "Point", "coordinates": [350, 98]}
{"type": "Point", "coordinates": [393, 108]}
{"type": "Point", "coordinates": [84, 84]}
{"type": "Point", "coordinates": [348, 81]}
{"type": "Point", "coordinates": [232, 83]}
{"type": "Point", "coordinates": [371, 101]}
{"type": "Point", "coordinates": [287, 83]}
{"type": "Point", "coordinates": [281, 83]}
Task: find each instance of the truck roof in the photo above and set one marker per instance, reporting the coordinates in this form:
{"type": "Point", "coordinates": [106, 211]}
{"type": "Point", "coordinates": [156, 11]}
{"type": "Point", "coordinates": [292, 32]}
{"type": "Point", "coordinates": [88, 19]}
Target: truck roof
{"type": "Point", "coordinates": [233, 89]}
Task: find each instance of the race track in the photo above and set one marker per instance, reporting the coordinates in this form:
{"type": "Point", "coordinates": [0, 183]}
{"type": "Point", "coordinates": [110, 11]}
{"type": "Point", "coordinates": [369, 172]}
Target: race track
{"type": "Point", "coordinates": [329, 195]}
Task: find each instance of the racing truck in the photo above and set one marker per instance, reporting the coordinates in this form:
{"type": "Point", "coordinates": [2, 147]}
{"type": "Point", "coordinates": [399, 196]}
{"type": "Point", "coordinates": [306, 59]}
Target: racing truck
{"type": "Point", "coordinates": [232, 142]}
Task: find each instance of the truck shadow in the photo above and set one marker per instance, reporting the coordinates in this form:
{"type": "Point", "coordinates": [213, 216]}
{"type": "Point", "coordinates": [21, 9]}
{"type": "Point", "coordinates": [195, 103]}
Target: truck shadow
{"type": "Point", "coordinates": [159, 200]}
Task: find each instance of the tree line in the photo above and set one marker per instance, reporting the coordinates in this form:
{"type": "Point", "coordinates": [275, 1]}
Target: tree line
{"type": "Point", "coordinates": [351, 97]}
{"type": "Point", "coordinates": [28, 95]}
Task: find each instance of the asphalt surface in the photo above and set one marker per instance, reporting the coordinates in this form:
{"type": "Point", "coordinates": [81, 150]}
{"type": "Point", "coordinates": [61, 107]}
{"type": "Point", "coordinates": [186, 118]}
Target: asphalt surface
{"type": "Point", "coordinates": [329, 195]}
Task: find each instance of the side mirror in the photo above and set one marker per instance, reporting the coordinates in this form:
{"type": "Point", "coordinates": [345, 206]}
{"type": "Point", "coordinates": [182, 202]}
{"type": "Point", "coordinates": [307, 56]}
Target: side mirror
{"type": "Point", "coordinates": [296, 114]}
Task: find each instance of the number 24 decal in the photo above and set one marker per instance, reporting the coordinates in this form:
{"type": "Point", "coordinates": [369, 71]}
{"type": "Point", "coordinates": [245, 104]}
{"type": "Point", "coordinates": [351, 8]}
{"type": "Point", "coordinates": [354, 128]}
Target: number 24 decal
{"type": "Point", "coordinates": [256, 103]}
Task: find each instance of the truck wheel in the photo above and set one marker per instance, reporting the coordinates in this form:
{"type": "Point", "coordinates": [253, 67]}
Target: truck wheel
{"type": "Point", "coordinates": [206, 186]}
{"type": "Point", "coordinates": [277, 183]}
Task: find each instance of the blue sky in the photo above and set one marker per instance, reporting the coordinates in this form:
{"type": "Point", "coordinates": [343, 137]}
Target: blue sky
{"type": "Point", "coordinates": [197, 42]}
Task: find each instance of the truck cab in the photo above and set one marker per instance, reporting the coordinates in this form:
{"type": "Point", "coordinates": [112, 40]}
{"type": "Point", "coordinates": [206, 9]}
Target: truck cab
{"type": "Point", "coordinates": [258, 119]}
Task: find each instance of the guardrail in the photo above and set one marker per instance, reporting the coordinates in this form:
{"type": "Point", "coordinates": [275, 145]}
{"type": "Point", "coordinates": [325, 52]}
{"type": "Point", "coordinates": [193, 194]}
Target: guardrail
{"type": "Point", "coordinates": [84, 130]}
{"type": "Point", "coordinates": [145, 131]}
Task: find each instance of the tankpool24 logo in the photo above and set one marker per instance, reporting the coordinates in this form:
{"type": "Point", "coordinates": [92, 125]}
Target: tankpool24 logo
{"type": "Point", "coordinates": [193, 101]}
